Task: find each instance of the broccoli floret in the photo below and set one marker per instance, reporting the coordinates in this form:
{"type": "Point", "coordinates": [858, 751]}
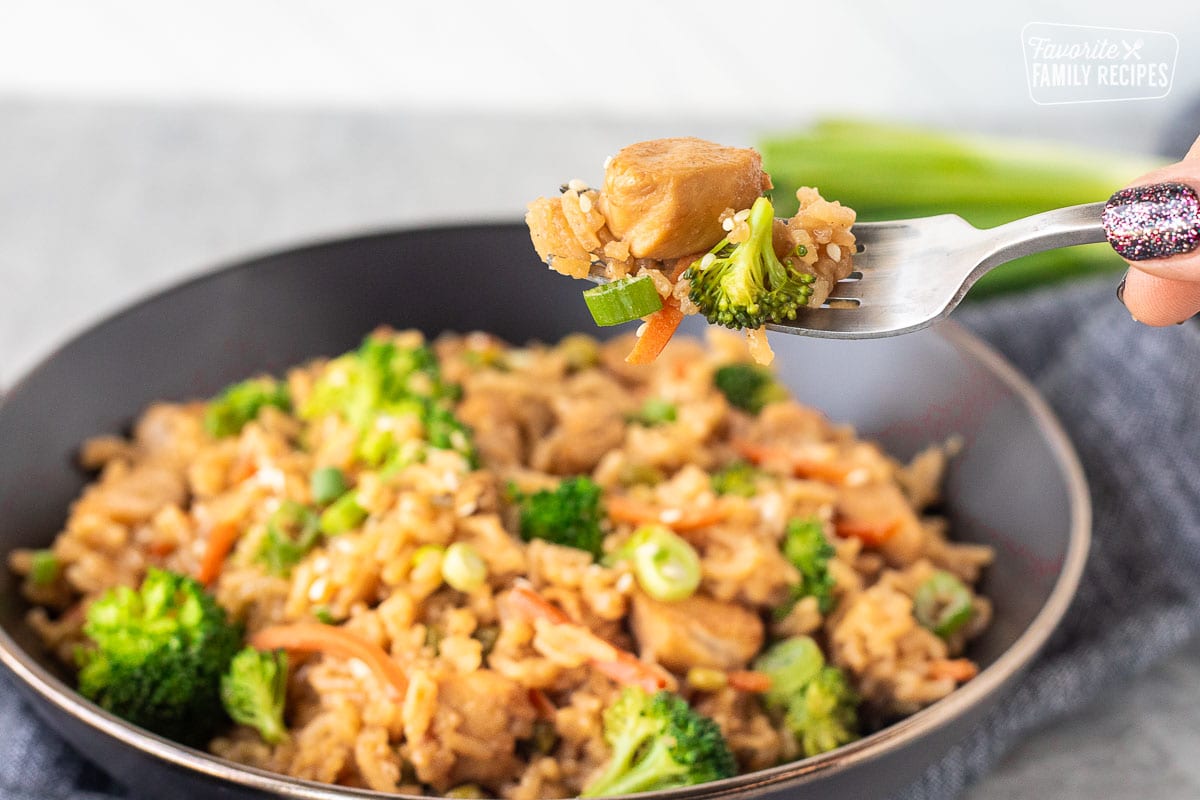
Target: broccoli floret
{"type": "Point", "coordinates": [569, 515]}
{"type": "Point", "coordinates": [749, 386]}
{"type": "Point", "coordinates": [805, 545]}
{"type": "Point", "coordinates": [229, 411]}
{"type": "Point", "coordinates": [739, 479]}
{"type": "Point", "coordinates": [825, 716]}
{"type": "Point", "coordinates": [659, 742]}
{"type": "Point", "coordinates": [254, 690]}
{"type": "Point", "coordinates": [815, 701]}
{"type": "Point", "coordinates": [745, 285]}
{"type": "Point", "coordinates": [381, 382]}
{"type": "Point", "coordinates": [158, 655]}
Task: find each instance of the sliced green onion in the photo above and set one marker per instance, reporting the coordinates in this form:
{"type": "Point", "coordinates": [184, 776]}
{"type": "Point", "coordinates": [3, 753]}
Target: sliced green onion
{"type": "Point", "coordinates": [463, 568]}
{"type": "Point", "coordinates": [666, 566]}
{"type": "Point", "coordinates": [44, 567]}
{"type": "Point", "coordinates": [579, 350]}
{"type": "Point", "coordinates": [623, 300]}
{"type": "Point", "coordinates": [344, 515]}
{"type": "Point", "coordinates": [942, 604]}
{"type": "Point", "coordinates": [655, 411]}
{"type": "Point", "coordinates": [324, 615]}
{"type": "Point", "coordinates": [792, 664]}
{"type": "Point", "coordinates": [327, 484]}
{"type": "Point", "coordinates": [292, 530]}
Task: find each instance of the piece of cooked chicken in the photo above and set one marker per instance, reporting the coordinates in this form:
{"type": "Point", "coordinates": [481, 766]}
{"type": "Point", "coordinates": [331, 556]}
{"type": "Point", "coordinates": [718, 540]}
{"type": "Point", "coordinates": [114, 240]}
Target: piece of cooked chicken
{"type": "Point", "coordinates": [696, 632]}
{"type": "Point", "coordinates": [664, 197]}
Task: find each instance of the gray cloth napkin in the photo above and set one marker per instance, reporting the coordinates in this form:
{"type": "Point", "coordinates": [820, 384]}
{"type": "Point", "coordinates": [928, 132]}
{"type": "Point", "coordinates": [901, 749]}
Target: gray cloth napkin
{"type": "Point", "coordinates": [1127, 396]}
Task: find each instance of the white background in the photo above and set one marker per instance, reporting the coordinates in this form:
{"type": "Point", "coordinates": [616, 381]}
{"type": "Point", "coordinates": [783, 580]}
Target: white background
{"type": "Point", "coordinates": [763, 59]}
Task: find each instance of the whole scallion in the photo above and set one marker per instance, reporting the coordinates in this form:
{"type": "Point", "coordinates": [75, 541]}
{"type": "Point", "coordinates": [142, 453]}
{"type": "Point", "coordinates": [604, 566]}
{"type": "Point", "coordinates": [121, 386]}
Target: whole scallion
{"type": "Point", "coordinates": [887, 171]}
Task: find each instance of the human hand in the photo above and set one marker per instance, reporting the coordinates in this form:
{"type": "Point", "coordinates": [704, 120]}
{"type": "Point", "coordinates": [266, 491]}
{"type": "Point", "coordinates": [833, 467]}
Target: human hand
{"type": "Point", "coordinates": [1154, 224]}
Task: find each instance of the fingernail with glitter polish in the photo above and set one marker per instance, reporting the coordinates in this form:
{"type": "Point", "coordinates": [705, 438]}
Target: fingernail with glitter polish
{"type": "Point", "coordinates": [1155, 221]}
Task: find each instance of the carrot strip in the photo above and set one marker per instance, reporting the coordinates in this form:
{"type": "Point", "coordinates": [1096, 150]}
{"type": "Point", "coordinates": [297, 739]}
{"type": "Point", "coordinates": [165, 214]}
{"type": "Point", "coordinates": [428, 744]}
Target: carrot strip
{"type": "Point", "coordinates": [311, 637]}
{"type": "Point", "coordinates": [626, 509]}
{"type": "Point", "coordinates": [960, 670]}
{"type": "Point", "coordinates": [871, 532]}
{"type": "Point", "coordinates": [220, 541]}
{"type": "Point", "coordinates": [625, 668]}
{"type": "Point", "coordinates": [745, 680]}
{"type": "Point", "coordinates": [243, 470]}
{"type": "Point", "coordinates": [629, 670]}
{"type": "Point", "coordinates": [660, 327]}
{"type": "Point", "coordinates": [541, 704]}
{"type": "Point", "coordinates": [681, 264]}
{"type": "Point", "coordinates": [532, 605]}
{"type": "Point", "coordinates": [801, 467]}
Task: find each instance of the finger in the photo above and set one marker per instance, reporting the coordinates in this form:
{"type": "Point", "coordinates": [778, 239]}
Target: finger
{"type": "Point", "coordinates": [1155, 222]}
{"type": "Point", "coordinates": [1159, 301]}
{"type": "Point", "coordinates": [1194, 152]}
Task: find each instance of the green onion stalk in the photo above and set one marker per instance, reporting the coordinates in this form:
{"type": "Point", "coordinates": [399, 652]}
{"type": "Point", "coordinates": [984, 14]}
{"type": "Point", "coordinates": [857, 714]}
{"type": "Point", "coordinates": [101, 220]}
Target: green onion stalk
{"type": "Point", "coordinates": [889, 171]}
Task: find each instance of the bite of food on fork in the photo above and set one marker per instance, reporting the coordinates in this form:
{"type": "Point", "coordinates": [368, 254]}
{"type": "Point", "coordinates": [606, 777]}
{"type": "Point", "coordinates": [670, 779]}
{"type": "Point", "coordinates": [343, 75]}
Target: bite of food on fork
{"type": "Point", "coordinates": [685, 226]}
{"type": "Point", "coordinates": [689, 219]}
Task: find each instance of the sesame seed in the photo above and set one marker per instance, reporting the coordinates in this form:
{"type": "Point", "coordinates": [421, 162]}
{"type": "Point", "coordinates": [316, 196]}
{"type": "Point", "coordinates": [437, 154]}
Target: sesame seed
{"type": "Point", "coordinates": [607, 162]}
{"type": "Point", "coordinates": [625, 582]}
{"type": "Point", "coordinates": [642, 329]}
{"type": "Point", "coordinates": [833, 251]}
{"type": "Point", "coordinates": [743, 214]}
{"type": "Point", "coordinates": [707, 261]}
{"type": "Point", "coordinates": [670, 515]}
{"type": "Point", "coordinates": [727, 224]}
{"type": "Point", "coordinates": [585, 203]}
{"type": "Point", "coordinates": [576, 185]}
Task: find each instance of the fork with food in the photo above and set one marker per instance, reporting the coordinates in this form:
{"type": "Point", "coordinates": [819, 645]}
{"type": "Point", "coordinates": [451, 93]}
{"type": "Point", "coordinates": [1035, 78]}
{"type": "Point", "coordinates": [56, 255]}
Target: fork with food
{"type": "Point", "coordinates": [684, 226]}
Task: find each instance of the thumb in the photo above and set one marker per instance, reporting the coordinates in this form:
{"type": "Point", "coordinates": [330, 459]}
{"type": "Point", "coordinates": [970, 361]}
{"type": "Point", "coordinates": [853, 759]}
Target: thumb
{"type": "Point", "coordinates": [1154, 223]}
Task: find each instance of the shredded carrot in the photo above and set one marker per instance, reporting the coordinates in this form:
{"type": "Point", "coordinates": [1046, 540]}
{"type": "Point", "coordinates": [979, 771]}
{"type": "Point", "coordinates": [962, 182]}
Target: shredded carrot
{"type": "Point", "coordinates": [541, 704]}
{"type": "Point", "coordinates": [800, 466]}
{"type": "Point", "coordinates": [745, 680]}
{"type": "Point", "coordinates": [629, 670]}
{"type": "Point", "coordinates": [660, 327]}
{"type": "Point", "coordinates": [624, 667]}
{"type": "Point", "coordinates": [243, 470]}
{"type": "Point", "coordinates": [960, 670]}
{"type": "Point", "coordinates": [872, 532]}
{"type": "Point", "coordinates": [681, 264]}
{"type": "Point", "coordinates": [626, 509]}
{"type": "Point", "coordinates": [220, 541]}
{"type": "Point", "coordinates": [312, 637]}
{"type": "Point", "coordinates": [162, 549]}
{"type": "Point", "coordinates": [532, 605]}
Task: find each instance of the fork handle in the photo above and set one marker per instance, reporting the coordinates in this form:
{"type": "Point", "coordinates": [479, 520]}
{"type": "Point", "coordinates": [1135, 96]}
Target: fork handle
{"type": "Point", "coordinates": [1062, 227]}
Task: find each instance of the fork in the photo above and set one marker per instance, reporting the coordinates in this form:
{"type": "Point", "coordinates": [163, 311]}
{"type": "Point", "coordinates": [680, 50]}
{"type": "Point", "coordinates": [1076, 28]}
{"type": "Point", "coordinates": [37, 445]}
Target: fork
{"type": "Point", "coordinates": [910, 273]}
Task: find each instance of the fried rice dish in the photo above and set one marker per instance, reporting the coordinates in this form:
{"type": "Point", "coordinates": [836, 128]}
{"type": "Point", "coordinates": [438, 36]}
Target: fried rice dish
{"type": "Point", "coordinates": [469, 569]}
